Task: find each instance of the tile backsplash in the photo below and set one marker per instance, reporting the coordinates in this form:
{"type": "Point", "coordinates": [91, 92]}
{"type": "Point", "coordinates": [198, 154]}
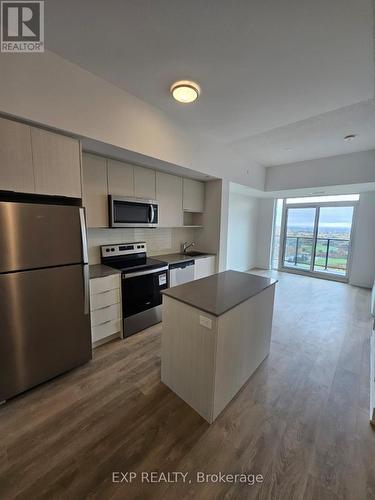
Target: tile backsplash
{"type": "Point", "coordinates": [159, 240]}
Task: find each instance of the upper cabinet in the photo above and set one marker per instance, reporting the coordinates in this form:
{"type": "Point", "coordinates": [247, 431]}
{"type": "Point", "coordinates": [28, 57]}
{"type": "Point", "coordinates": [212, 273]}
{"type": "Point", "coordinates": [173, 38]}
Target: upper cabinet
{"type": "Point", "coordinates": [57, 163]}
{"type": "Point", "coordinates": [37, 161]}
{"type": "Point", "coordinates": [130, 180]}
{"type": "Point", "coordinates": [193, 195]}
{"type": "Point", "coordinates": [169, 196]}
{"type": "Point", "coordinates": [95, 190]}
{"type": "Point", "coordinates": [181, 201]}
{"type": "Point", "coordinates": [120, 178]}
{"type": "Point", "coordinates": [144, 183]}
{"type": "Point", "coordinates": [16, 164]}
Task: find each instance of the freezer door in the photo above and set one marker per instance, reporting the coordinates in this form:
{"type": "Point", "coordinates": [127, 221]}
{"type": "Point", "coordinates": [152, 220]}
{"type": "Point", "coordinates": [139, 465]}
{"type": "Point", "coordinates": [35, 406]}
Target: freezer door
{"type": "Point", "coordinates": [44, 330]}
{"type": "Point", "coordinates": [34, 236]}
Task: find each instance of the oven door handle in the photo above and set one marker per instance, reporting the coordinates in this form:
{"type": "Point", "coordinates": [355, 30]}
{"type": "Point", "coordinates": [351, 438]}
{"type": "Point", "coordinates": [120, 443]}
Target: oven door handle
{"type": "Point", "coordinates": [143, 273]}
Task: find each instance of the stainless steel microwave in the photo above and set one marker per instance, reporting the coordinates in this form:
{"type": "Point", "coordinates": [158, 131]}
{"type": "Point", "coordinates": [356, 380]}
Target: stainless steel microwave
{"type": "Point", "coordinates": [132, 212]}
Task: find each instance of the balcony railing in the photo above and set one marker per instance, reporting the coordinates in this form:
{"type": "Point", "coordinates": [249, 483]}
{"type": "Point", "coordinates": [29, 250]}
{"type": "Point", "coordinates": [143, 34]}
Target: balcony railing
{"type": "Point", "coordinates": [331, 254]}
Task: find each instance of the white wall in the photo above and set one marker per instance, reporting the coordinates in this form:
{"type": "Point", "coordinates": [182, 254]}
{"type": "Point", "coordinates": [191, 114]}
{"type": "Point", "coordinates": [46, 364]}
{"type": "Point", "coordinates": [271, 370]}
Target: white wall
{"type": "Point", "coordinates": [265, 232]}
{"type": "Point", "coordinates": [242, 231]}
{"type": "Point", "coordinates": [51, 91]}
{"type": "Point", "coordinates": [354, 168]}
{"type": "Point", "coordinates": [363, 257]}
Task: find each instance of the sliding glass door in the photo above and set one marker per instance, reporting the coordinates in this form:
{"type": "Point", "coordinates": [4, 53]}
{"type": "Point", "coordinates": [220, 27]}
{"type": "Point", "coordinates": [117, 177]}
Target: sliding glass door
{"type": "Point", "coordinates": [333, 240]}
{"type": "Point", "coordinates": [317, 238]}
{"type": "Point", "coordinates": [299, 237]}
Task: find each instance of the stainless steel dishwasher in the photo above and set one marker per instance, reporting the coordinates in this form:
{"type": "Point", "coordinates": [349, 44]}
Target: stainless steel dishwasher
{"type": "Point", "coordinates": [181, 272]}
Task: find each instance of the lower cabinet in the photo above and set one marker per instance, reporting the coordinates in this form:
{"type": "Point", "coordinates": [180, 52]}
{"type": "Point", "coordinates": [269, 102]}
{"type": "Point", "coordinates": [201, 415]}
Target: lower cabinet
{"type": "Point", "coordinates": [106, 311]}
{"type": "Point", "coordinates": [204, 266]}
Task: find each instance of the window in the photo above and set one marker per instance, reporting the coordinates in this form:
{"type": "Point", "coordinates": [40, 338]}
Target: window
{"type": "Point", "coordinates": [323, 199]}
{"type": "Point", "coordinates": [317, 234]}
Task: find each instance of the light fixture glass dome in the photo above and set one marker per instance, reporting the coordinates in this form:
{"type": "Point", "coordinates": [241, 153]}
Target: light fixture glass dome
{"type": "Point", "coordinates": [185, 91]}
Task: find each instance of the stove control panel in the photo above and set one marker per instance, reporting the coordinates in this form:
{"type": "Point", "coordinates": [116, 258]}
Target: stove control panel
{"type": "Point", "coordinates": [123, 249]}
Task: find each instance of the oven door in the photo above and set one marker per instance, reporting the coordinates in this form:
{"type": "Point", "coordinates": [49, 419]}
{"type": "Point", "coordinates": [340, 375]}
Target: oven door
{"type": "Point", "coordinates": [141, 290]}
{"type": "Point", "coordinates": [132, 212]}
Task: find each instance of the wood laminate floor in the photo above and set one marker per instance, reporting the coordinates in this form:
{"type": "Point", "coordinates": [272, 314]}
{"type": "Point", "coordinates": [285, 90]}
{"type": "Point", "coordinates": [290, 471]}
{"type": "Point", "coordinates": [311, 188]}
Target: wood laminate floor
{"type": "Point", "coordinates": [301, 421]}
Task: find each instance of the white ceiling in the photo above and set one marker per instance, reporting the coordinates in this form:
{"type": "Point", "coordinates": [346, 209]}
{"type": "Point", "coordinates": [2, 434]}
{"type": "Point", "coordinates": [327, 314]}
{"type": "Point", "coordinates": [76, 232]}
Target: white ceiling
{"type": "Point", "coordinates": [273, 72]}
{"type": "Point", "coordinates": [317, 137]}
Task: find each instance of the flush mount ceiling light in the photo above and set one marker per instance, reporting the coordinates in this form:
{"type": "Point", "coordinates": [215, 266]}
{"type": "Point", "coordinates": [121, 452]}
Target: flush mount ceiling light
{"type": "Point", "coordinates": [349, 138]}
{"type": "Point", "coordinates": [185, 91]}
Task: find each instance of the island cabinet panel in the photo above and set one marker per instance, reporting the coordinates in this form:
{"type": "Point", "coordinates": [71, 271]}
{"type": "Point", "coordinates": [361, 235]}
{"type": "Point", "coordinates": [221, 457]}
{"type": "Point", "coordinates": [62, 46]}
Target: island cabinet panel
{"type": "Point", "coordinates": [16, 165]}
{"type": "Point", "coordinates": [208, 354]}
{"type": "Point", "coordinates": [169, 196]}
{"type": "Point", "coordinates": [243, 342]}
{"type": "Point", "coordinates": [193, 195]}
{"type": "Point", "coordinates": [95, 190]}
{"type": "Point", "coordinates": [57, 164]}
{"type": "Point", "coordinates": [120, 178]}
{"type": "Point", "coordinates": [144, 183]}
{"type": "Point", "coordinates": [188, 359]}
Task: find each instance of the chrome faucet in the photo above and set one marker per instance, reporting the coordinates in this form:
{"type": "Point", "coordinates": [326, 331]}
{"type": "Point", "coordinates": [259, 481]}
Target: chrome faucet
{"type": "Point", "coordinates": [187, 245]}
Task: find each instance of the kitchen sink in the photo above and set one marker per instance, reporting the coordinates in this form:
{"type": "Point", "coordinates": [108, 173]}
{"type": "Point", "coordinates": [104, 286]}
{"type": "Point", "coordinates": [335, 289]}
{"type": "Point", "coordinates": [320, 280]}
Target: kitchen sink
{"type": "Point", "coordinates": [193, 254]}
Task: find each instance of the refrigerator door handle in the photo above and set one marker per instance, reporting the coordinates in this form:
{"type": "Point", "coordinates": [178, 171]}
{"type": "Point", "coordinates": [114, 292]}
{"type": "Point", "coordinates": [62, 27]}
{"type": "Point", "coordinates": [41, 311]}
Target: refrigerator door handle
{"type": "Point", "coordinates": [83, 235]}
{"type": "Point", "coordinates": [86, 289]}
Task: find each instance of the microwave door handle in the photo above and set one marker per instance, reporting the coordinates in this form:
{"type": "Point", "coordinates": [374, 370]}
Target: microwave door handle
{"type": "Point", "coordinates": [151, 213]}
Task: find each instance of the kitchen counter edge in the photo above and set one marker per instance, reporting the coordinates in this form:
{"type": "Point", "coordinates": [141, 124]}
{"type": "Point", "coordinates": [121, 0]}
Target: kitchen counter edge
{"type": "Point", "coordinates": [101, 271]}
{"type": "Point", "coordinates": [175, 258]}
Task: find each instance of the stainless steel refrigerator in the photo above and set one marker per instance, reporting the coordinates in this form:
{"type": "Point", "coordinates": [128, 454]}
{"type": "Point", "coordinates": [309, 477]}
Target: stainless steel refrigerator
{"type": "Point", "coordinates": [44, 294]}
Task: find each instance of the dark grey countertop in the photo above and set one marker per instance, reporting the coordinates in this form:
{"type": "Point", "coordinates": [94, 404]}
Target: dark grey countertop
{"type": "Point", "coordinates": [173, 258]}
{"type": "Point", "coordinates": [100, 271]}
{"type": "Point", "coordinates": [219, 293]}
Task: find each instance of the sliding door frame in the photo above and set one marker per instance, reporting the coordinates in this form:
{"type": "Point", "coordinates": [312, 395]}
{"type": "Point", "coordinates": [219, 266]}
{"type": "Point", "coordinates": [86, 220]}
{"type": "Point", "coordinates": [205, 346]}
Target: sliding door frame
{"type": "Point", "coordinates": [311, 272]}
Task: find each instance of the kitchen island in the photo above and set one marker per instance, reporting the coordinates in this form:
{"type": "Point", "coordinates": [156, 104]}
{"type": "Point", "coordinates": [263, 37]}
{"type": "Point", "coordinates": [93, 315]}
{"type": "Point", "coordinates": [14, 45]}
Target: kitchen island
{"type": "Point", "coordinates": [216, 332]}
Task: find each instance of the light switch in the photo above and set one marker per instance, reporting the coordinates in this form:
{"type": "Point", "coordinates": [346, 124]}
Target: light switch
{"type": "Point", "coordinates": [206, 322]}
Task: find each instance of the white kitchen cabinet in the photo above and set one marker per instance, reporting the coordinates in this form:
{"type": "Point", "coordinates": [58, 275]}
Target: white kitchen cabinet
{"type": "Point", "coordinates": [204, 266]}
{"type": "Point", "coordinates": [57, 163]}
{"type": "Point", "coordinates": [144, 183]}
{"type": "Point", "coordinates": [106, 310]}
{"type": "Point", "coordinates": [95, 190]}
{"type": "Point", "coordinates": [169, 196]}
{"type": "Point", "coordinates": [120, 178]}
{"type": "Point", "coordinates": [193, 195]}
{"type": "Point", "coordinates": [16, 166]}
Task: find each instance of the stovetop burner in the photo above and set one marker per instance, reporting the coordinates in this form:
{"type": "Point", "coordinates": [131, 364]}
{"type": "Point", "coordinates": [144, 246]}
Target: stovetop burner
{"type": "Point", "coordinates": [136, 264]}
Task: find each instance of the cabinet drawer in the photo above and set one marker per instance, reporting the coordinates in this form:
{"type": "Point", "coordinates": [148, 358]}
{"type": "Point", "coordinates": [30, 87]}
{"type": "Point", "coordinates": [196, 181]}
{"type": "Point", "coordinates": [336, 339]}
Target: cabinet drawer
{"type": "Point", "coordinates": [99, 285]}
{"type": "Point", "coordinates": [100, 300]}
{"type": "Point", "coordinates": [99, 332]}
{"type": "Point", "coordinates": [105, 314]}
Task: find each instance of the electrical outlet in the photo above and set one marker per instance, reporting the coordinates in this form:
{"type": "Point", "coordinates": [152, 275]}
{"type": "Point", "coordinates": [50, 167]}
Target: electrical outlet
{"type": "Point", "coordinates": [206, 322]}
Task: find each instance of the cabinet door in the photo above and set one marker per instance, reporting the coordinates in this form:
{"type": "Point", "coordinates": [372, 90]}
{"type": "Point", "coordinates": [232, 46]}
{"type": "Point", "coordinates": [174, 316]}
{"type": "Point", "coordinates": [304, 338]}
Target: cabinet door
{"type": "Point", "coordinates": [204, 266]}
{"type": "Point", "coordinates": [95, 190]}
{"type": "Point", "coordinates": [57, 164]}
{"type": "Point", "coordinates": [193, 196]}
{"type": "Point", "coordinates": [144, 183]}
{"type": "Point", "coordinates": [169, 196]}
{"type": "Point", "coordinates": [16, 167]}
{"type": "Point", "coordinates": [120, 178]}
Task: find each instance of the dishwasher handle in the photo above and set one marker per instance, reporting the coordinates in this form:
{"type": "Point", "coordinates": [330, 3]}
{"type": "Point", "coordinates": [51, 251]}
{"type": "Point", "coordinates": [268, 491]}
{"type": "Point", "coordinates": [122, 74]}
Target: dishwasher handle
{"type": "Point", "coordinates": [181, 265]}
